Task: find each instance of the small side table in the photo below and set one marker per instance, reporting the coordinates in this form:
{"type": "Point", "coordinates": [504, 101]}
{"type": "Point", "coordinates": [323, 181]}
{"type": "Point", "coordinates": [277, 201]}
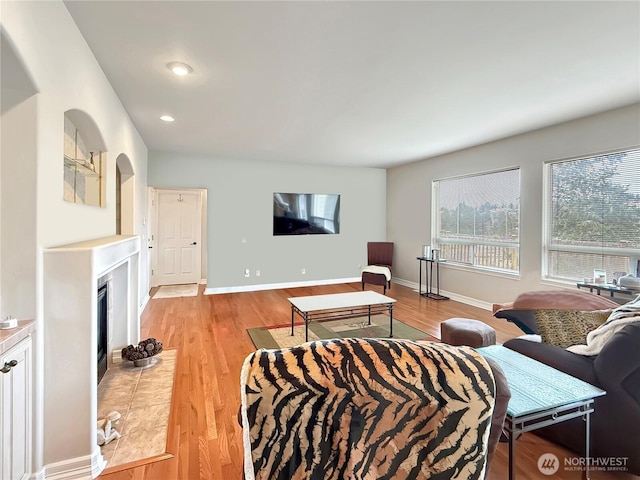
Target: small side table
{"type": "Point", "coordinates": [541, 396]}
{"type": "Point", "coordinates": [429, 291]}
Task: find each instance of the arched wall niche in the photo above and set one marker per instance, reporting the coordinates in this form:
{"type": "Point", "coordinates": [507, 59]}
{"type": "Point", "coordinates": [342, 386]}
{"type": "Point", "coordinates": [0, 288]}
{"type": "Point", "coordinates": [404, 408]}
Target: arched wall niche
{"type": "Point", "coordinates": [84, 160]}
{"type": "Point", "coordinates": [125, 189]}
{"type": "Point", "coordinates": [87, 126]}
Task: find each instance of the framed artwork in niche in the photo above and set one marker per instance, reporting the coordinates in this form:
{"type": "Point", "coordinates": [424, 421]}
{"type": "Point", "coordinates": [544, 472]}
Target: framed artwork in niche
{"type": "Point", "coordinates": [84, 169]}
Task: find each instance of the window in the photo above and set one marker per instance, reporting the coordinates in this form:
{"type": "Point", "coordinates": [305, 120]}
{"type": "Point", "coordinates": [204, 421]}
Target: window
{"type": "Point", "coordinates": [592, 218]}
{"type": "Point", "coordinates": [477, 220]}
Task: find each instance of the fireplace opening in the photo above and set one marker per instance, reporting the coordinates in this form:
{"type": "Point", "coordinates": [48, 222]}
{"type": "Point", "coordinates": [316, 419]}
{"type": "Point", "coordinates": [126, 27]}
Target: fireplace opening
{"type": "Point", "coordinates": [102, 330]}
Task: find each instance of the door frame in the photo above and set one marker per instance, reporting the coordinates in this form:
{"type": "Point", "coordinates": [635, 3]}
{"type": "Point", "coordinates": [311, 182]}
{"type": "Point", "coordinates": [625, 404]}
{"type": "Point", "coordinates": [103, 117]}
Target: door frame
{"type": "Point", "coordinates": [152, 240]}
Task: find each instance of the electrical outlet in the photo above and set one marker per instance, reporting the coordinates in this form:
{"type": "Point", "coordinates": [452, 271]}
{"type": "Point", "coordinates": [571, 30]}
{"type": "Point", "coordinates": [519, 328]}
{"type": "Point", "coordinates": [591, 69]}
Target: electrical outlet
{"type": "Point", "coordinates": [247, 273]}
{"type": "Point", "coordinates": [303, 271]}
{"type": "Point", "coordinates": [257, 273]}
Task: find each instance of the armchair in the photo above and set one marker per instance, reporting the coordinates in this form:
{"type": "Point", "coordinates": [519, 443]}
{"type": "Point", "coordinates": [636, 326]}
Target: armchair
{"type": "Point", "coordinates": [379, 262]}
{"type": "Point", "coordinates": [369, 408]}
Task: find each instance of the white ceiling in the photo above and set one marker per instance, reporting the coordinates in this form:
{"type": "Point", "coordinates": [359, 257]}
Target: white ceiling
{"type": "Point", "coordinates": [360, 83]}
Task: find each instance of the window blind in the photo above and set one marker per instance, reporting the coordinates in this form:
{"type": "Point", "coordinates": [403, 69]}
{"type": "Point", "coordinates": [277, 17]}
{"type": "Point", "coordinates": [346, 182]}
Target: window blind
{"type": "Point", "coordinates": [593, 215]}
{"type": "Point", "coordinates": [478, 219]}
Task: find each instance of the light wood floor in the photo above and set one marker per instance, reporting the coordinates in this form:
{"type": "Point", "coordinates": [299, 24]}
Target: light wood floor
{"type": "Point", "coordinates": [209, 332]}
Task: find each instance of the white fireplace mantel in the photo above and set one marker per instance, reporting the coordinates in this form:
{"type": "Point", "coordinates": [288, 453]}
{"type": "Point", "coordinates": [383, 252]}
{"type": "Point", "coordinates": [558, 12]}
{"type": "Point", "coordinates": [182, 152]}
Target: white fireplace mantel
{"type": "Point", "coordinates": [71, 274]}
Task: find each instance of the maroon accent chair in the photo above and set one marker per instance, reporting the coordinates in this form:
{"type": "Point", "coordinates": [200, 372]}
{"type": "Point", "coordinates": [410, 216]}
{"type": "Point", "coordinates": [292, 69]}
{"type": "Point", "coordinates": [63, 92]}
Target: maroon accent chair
{"type": "Point", "coordinates": [380, 254]}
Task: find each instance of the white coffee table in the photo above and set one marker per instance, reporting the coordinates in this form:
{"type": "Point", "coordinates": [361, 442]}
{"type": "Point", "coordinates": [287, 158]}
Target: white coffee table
{"type": "Point", "coordinates": [340, 305]}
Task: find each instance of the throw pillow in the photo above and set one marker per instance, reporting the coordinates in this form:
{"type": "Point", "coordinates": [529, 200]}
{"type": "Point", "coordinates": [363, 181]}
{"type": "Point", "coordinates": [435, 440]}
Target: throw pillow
{"type": "Point", "coordinates": [564, 328]}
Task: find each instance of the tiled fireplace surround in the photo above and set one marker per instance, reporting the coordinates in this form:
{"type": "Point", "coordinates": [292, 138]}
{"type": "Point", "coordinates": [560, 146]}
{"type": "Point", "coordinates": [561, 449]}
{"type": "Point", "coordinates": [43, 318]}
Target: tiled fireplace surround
{"type": "Point", "coordinates": [71, 275]}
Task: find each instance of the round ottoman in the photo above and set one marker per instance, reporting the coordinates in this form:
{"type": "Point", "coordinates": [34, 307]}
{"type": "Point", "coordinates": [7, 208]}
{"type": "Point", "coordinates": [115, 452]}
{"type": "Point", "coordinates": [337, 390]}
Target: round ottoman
{"type": "Point", "coordinates": [465, 331]}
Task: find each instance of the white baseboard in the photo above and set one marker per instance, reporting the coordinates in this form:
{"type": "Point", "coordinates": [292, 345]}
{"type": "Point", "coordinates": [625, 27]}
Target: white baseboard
{"type": "Point", "coordinates": [453, 296]}
{"type": "Point", "coordinates": [405, 283]}
{"type": "Point", "coordinates": [116, 356]}
{"type": "Point", "coordinates": [80, 468]}
{"type": "Point", "coordinates": [474, 302]}
{"type": "Point", "coordinates": [276, 286]}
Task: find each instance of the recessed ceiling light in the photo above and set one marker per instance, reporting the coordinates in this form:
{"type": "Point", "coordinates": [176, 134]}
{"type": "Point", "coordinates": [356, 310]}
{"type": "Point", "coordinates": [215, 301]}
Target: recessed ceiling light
{"type": "Point", "coordinates": [167, 118]}
{"type": "Point", "coordinates": [180, 69]}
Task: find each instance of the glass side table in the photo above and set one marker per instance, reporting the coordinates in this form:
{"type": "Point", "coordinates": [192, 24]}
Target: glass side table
{"type": "Point", "coordinates": [540, 396]}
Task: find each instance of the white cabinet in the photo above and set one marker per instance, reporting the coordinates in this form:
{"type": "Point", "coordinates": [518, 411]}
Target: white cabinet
{"type": "Point", "coordinates": [15, 411]}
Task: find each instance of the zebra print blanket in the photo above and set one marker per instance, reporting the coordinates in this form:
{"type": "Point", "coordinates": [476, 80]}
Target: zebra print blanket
{"type": "Point", "coordinates": [366, 409]}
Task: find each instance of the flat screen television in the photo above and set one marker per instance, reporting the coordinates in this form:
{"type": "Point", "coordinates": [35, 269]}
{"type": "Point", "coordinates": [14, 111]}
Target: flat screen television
{"type": "Point", "coordinates": [306, 213]}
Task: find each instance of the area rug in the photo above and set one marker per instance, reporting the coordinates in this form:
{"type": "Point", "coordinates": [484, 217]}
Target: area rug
{"type": "Point", "coordinates": [280, 336]}
{"type": "Point", "coordinates": [174, 291]}
{"type": "Point", "coordinates": [142, 396]}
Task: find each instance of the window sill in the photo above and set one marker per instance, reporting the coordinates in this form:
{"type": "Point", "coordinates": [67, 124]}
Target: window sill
{"type": "Point", "coordinates": [559, 283]}
{"type": "Point", "coordinates": [482, 270]}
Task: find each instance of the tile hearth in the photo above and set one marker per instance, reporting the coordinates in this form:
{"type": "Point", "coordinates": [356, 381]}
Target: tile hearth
{"type": "Point", "coordinates": [142, 395]}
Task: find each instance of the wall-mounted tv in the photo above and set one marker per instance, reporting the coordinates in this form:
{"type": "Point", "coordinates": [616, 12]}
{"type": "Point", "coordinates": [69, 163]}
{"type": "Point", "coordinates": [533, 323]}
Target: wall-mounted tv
{"type": "Point", "coordinates": [306, 213]}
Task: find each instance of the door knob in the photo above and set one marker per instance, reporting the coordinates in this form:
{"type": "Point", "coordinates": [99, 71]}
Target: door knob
{"type": "Point", "coordinates": [8, 366]}
{"type": "Point", "coordinates": [194, 243]}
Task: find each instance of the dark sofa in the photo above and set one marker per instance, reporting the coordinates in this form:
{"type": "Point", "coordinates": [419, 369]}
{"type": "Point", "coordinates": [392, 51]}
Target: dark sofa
{"type": "Point", "coordinates": [615, 423]}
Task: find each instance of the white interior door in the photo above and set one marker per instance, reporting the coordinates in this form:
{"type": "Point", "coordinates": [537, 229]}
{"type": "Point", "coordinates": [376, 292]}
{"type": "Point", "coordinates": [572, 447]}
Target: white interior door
{"type": "Point", "coordinates": [179, 227]}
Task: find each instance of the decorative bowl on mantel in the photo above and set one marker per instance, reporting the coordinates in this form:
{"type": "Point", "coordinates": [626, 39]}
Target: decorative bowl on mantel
{"type": "Point", "coordinates": [142, 354]}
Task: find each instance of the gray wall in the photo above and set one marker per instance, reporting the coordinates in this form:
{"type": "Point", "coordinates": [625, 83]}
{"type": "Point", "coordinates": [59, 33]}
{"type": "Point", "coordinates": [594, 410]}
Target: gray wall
{"type": "Point", "coordinates": [240, 206]}
{"type": "Point", "coordinates": [409, 198]}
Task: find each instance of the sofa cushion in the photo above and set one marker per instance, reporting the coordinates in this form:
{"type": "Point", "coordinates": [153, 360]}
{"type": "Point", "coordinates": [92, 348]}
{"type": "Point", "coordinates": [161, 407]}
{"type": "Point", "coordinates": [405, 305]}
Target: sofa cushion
{"type": "Point", "coordinates": [563, 328]}
{"type": "Point", "coordinates": [521, 311]}
{"type": "Point", "coordinates": [615, 369]}
{"type": "Point", "coordinates": [563, 300]}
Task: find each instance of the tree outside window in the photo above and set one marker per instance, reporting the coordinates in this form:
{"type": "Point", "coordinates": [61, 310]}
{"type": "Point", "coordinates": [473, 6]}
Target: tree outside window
{"type": "Point", "coordinates": [593, 216]}
{"type": "Point", "coordinates": [477, 220]}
